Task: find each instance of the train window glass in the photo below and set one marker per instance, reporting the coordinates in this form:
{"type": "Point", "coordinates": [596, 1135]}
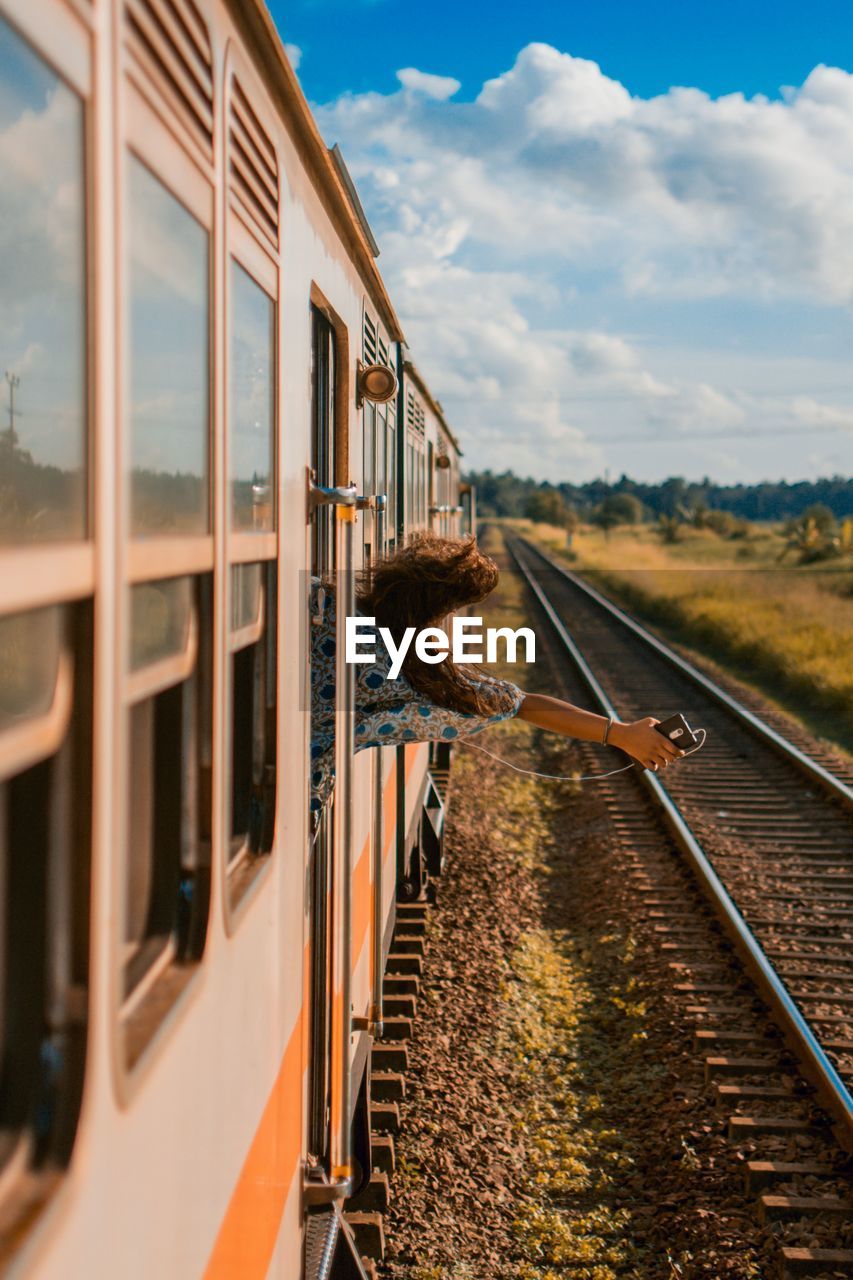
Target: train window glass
{"type": "Point", "coordinates": [160, 614]}
{"type": "Point", "coordinates": [45, 840]}
{"type": "Point", "coordinates": [369, 476]}
{"type": "Point", "coordinates": [381, 478]}
{"type": "Point", "coordinates": [368, 471]}
{"type": "Point", "coordinates": [419, 485]}
{"type": "Point", "coordinates": [42, 328]}
{"type": "Point", "coordinates": [169, 362]}
{"type": "Point", "coordinates": [167, 863]}
{"type": "Point", "coordinates": [324, 360]}
{"type": "Point", "coordinates": [30, 645]}
{"type": "Point", "coordinates": [391, 520]}
{"type": "Point", "coordinates": [253, 718]}
{"type": "Point", "coordinates": [245, 596]}
{"type": "Point", "coordinates": [252, 402]}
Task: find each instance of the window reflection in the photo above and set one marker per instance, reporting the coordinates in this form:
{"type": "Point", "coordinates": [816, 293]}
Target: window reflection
{"type": "Point", "coordinates": [379, 481]}
{"type": "Point", "coordinates": [42, 323]}
{"type": "Point", "coordinates": [159, 620]}
{"type": "Point", "coordinates": [169, 340]}
{"type": "Point", "coordinates": [369, 478]}
{"type": "Point", "coordinates": [30, 645]}
{"type": "Point", "coordinates": [245, 595]}
{"type": "Point", "coordinates": [252, 412]}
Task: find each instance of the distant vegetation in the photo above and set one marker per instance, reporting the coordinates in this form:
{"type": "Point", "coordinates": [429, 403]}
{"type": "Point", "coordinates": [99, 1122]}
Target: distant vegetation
{"type": "Point", "coordinates": [772, 601]}
{"type": "Point", "coordinates": [628, 501]}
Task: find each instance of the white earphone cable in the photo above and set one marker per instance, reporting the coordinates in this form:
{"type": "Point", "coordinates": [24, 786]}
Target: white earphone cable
{"type": "Point", "coordinates": [568, 777]}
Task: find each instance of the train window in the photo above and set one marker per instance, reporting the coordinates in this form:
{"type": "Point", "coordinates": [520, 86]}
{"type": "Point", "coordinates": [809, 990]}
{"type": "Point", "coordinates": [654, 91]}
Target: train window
{"type": "Point", "coordinates": [367, 466]}
{"type": "Point", "coordinates": [391, 520]}
{"type": "Point", "coordinates": [30, 648]}
{"type": "Point", "coordinates": [169, 340]}
{"type": "Point", "coordinates": [324, 360]}
{"type": "Point", "coordinates": [45, 838]}
{"type": "Point", "coordinates": [419, 485]}
{"type": "Point", "coordinates": [381, 478]}
{"type": "Point", "coordinates": [369, 476]}
{"type": "Point", "coordinates": [42, 329]}
{"type": "Point", "coordinates": [246, 600]}
{"type": "Point", "coordinates": [431, 495]}
{"type": "Point", "coordinates": [160, 619]}
{"type": "Point", "coordinates": [253, 717]}
{"type": "Point", "coordinates": [166, 882]}
{"type": "Point", "coordinates": [253, 586]}
{"type": "Point", "coordinates": [252, 403]}
{"type": "Point", "coordinates": [411, 514]}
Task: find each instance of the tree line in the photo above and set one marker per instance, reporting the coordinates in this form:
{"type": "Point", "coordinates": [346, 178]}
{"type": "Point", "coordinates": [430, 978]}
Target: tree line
{"type": "Point", "coordinates": [629, 501]}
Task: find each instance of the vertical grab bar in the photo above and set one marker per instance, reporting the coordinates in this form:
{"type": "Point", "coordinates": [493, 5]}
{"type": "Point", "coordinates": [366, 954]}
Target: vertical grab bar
{"type": "Point", "coordinates": [341, 1140]}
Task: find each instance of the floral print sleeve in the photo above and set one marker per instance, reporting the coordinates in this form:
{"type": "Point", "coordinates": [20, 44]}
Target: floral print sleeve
{"type": "Point", "coordinates": [387, 712]}
{"type": "Point", "coordinates": [404, 716]}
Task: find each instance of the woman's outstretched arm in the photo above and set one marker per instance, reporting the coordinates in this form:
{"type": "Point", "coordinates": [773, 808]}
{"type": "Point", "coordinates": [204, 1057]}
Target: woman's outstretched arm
{"type": "Point", "coordinates": [638, 738]}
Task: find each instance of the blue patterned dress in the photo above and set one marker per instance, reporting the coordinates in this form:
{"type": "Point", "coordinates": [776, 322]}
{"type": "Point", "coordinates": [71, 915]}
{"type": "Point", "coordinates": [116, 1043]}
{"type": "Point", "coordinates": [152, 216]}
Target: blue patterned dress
{"type": "Point", "coordinates": [387, 712]}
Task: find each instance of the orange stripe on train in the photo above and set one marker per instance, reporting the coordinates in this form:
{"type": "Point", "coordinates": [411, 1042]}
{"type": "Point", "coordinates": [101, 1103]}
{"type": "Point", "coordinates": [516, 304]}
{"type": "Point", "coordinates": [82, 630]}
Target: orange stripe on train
{"type": "Point", "coordinates": [249, 1231]}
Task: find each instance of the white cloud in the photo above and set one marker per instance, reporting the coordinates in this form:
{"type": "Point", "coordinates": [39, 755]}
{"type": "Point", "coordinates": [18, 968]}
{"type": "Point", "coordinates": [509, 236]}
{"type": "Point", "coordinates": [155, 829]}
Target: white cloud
{"type": "Point", "coordinates": [439, 88]}
{"type": "Point", "coordinates": [555, 192]}
{"type": "Point", "coordinates": [294, 53]}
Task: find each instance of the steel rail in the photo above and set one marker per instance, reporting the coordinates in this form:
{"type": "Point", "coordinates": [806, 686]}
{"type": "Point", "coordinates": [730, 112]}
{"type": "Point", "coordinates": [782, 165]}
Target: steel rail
{"type": "Point", "coordinates": [835, 786]}
{"type": "Point", "coordinates": [830, 1088]}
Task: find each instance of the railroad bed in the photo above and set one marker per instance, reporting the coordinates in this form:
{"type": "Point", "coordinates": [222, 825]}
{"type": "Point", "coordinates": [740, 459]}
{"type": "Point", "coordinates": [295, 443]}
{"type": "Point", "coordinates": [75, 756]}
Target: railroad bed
{"type": "Point", "coordinates": [768, 832]}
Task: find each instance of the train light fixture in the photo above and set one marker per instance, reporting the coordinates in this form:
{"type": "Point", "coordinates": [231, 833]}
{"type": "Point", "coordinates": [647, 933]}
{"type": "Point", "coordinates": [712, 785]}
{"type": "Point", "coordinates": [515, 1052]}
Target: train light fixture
{"type": "Point", "coordinates": [375, 382]}
{"type": "Point", "coordinates": [442, 461]}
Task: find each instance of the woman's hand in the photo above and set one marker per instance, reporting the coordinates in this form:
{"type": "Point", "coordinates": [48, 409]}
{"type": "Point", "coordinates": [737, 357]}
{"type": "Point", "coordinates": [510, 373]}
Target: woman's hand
{"type": "Point", "coordinates": [640, 739]}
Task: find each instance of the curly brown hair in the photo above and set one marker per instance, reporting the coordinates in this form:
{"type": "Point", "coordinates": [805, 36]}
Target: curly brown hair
{"type": "Point", "coordinates": [418, 586]}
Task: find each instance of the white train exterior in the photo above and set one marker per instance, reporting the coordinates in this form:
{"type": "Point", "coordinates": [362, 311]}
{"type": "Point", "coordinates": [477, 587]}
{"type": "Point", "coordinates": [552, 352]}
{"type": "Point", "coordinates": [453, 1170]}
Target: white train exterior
{"type": "Point", "coordinates": [195, 296]}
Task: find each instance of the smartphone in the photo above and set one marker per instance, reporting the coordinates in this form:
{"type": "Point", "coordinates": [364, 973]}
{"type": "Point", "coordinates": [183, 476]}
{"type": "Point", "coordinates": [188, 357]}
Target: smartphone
{"type": "Point", "coordinates": [678, 731]}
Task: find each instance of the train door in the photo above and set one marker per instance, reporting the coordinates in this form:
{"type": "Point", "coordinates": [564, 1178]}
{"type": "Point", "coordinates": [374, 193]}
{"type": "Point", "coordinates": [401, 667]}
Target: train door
{"type": "Point", "coordinates": [330, 1250]}
{"type": "Point", "coordinates": [323, 354]}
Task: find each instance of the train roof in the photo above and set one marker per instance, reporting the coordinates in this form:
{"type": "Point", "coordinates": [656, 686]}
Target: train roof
{"type": "Point", "coordinates": [262, 37]}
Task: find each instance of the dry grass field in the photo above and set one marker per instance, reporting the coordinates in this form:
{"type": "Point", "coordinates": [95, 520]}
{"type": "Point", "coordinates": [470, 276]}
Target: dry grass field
{"type": "Point", "coordinates": [786, 629]}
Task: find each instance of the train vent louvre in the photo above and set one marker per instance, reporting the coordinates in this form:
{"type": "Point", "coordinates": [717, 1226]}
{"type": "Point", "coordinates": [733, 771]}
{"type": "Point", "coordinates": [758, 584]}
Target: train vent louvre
{"type": "Point", "coordinates": [383, 353]}
{"type": "Point", "coordinates": [415, 415]}
{"type": "Point", "coordinates": [253, 166]}
{"type": "Point", "coordinates": [369, 340]}
{"type": "Point", "coordinates": [169, 43]}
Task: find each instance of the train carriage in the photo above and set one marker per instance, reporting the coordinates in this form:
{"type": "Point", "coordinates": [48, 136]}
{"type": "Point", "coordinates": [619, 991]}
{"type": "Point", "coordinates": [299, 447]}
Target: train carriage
{"type": "Point", "coordinates": [209, 402]}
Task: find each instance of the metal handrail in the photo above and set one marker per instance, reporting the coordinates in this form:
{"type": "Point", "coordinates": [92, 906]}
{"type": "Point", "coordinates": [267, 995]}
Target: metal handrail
{"type": "Point", "coordinates": [320, 495]}
{"type": "Point", "coordinates": [817, 1067]}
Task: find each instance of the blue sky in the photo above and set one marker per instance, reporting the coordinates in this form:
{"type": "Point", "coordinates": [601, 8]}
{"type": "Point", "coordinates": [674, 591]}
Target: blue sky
{"type": "Point", "coordinates": [617, 238]}
{"type": "Point", "coordinates": [721, 47]}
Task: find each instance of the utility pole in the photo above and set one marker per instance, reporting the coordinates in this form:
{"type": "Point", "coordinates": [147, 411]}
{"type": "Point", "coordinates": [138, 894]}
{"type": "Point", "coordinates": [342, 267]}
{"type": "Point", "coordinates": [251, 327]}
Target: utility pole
{"type": "Point", "coordinates": [14, 382]}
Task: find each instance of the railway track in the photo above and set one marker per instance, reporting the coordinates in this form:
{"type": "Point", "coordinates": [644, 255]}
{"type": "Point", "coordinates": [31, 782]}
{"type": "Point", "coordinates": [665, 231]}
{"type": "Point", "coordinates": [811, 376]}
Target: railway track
{"type": "Point", "coordinates": [767, 831]}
